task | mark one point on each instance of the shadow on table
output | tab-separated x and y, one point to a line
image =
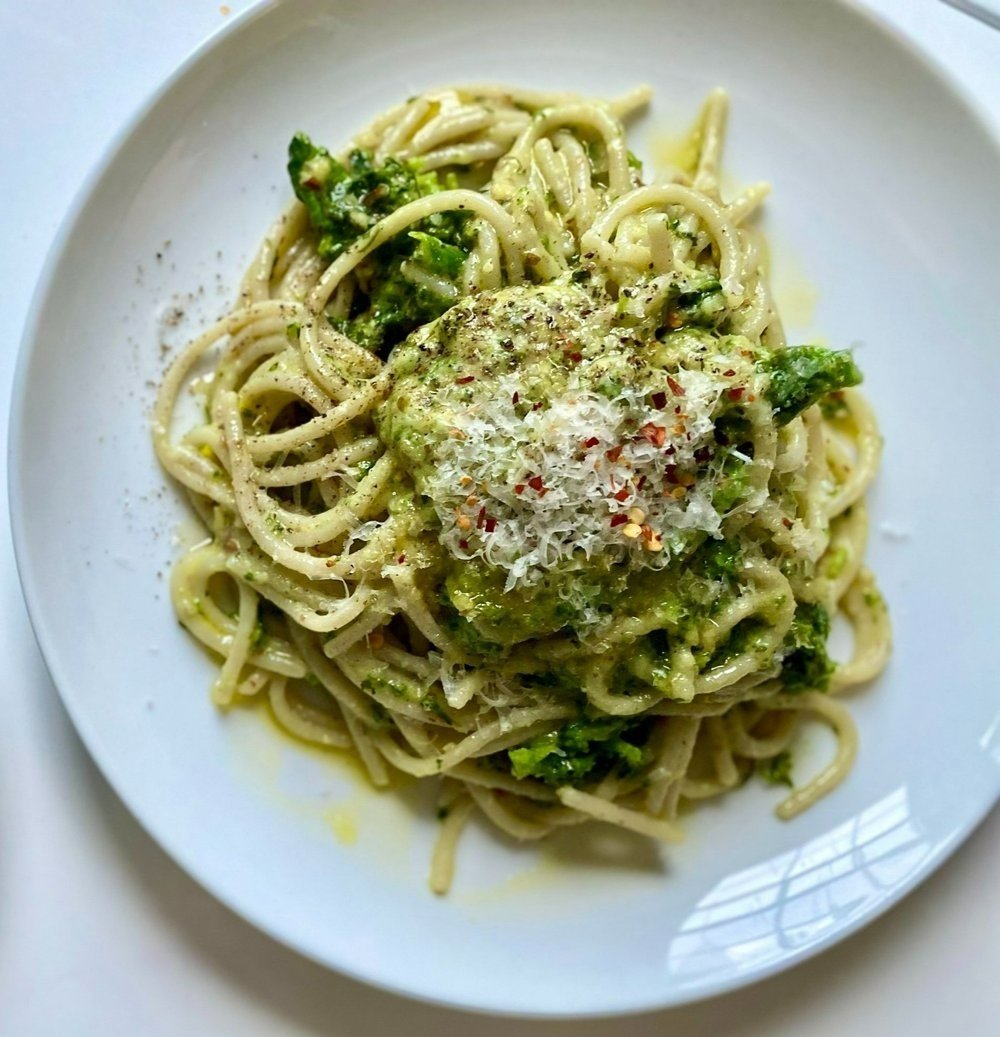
315	999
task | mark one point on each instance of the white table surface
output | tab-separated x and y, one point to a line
100	933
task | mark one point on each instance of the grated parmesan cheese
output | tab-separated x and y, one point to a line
546	484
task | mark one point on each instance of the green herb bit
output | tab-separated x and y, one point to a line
258	639
836	561
721	559
777	770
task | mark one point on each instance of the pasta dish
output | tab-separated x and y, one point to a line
511	481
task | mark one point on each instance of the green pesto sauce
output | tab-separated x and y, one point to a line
546	338
583	750
495	617
377	683
777	770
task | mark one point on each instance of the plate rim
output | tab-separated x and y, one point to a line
48	645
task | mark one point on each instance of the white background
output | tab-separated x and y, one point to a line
100	933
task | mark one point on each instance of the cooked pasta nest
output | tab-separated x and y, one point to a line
511	481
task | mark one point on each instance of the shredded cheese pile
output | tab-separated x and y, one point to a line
527	488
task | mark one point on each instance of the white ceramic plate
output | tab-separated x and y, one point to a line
886	199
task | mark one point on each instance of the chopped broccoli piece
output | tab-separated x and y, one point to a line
580	750
436	256
777	770
806	665
344	201
395	307
802	375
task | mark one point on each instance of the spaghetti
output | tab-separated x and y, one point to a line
512	481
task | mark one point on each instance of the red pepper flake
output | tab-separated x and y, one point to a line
787	523
464	545
618	520
491	524
519	488
481	518
671	474
736	393
675	386
576	357
588	443
655	434
535	482
613	454
659	400
465	379
516	398
537	406
401	559
669	449
622	494
728	374
702	454
642	482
